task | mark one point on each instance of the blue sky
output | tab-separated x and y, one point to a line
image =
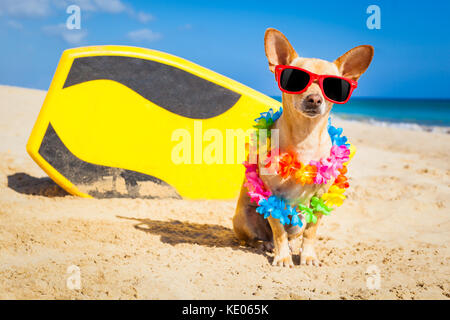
412	48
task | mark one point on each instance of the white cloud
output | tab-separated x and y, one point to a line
70	36
144	35
144	17
186	26
13	9
25	8
14	24
43	8
110	6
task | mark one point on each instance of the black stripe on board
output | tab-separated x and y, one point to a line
171	88
89	175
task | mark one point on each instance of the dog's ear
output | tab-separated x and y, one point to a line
355	62
278	49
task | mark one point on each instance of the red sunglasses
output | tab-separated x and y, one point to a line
295	80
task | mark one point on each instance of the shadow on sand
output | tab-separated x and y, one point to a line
175	232
24	183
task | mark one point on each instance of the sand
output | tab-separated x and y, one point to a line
396	222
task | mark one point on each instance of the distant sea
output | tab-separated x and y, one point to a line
423	114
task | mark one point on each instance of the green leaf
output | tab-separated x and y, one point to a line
302	207
319	206
308	218
311	217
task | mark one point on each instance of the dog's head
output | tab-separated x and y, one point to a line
312	103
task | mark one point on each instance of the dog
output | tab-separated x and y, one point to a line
302	129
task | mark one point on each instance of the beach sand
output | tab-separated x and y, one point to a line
396	220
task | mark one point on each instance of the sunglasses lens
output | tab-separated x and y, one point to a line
293	80
336	89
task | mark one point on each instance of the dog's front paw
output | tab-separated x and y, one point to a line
308	256
283	261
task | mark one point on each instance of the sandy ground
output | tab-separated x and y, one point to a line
396	221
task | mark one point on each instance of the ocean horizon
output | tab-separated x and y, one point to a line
422	112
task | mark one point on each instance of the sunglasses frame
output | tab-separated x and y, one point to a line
312	78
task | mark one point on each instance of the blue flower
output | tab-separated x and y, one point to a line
269	116
278	209
295	218
277	114
266	120
284	217
333	131
335	135
295	221
264	208
339	141
275	207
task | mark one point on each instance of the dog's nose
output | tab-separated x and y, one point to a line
313	101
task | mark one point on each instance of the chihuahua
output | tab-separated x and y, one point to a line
302	129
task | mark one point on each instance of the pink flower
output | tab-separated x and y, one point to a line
256	197
332	166
323	172
249	167
340	155
254	184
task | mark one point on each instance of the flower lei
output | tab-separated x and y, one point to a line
316	172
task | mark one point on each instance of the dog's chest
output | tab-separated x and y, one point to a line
293	192
288	189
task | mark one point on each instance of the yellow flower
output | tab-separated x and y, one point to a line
306	174
352	149
334	196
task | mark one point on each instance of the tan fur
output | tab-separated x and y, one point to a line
304	134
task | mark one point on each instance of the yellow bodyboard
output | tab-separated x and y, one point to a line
113	116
